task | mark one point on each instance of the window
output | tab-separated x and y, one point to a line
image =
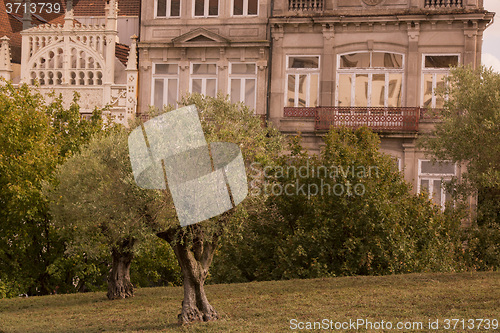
245	7
432	178
243	83
204	79
165	85
302	81
399	163
434	70
370	79
206	8
168	8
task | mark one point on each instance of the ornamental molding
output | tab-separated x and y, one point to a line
372	2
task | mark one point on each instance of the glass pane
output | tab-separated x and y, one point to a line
378	90
211	87
166	69
436	191
395	90
302	90
424	185
250	93
172	91
344	86
313	90
235	90
290	100
158	94
387	60
175	7
204	69
441	61
196	86
199	7
439	87
447	194
161	9
445	168
428	90
358	60
213	7
238	7
252	7
361	90
303	62
243	69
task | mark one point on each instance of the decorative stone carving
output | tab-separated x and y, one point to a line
372	2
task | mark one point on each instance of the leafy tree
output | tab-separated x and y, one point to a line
98	199
468	133
195	245
347	211
34	137
97	204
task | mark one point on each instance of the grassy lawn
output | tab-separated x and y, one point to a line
269	306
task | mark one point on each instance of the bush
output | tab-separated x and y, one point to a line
378	228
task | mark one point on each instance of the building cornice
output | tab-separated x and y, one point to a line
401	17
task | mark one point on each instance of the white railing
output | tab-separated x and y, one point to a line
443	3
305	5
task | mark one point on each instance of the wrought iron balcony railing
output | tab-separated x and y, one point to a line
305	5
395	119
443	3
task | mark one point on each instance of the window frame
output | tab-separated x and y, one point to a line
168	5
302	71
203	77
370	71
434	72
165	77
243	77
431	177
245	9
206	7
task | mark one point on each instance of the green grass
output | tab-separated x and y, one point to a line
268	306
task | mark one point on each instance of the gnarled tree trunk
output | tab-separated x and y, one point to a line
119	285
195	257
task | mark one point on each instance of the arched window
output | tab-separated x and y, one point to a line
370	79
47	67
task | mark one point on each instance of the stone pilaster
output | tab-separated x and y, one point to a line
327	84
132	75
278	75
5	64
412	66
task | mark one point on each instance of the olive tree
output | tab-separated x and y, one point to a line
97	196
97	204
195	245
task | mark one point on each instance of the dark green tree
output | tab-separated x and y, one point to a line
347	211
467	133
35	136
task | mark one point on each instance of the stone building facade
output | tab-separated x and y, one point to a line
60	54
311	64
206	47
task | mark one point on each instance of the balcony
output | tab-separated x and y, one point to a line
395	119
443	3
305	5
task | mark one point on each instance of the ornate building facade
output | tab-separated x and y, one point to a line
311	64
60	54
